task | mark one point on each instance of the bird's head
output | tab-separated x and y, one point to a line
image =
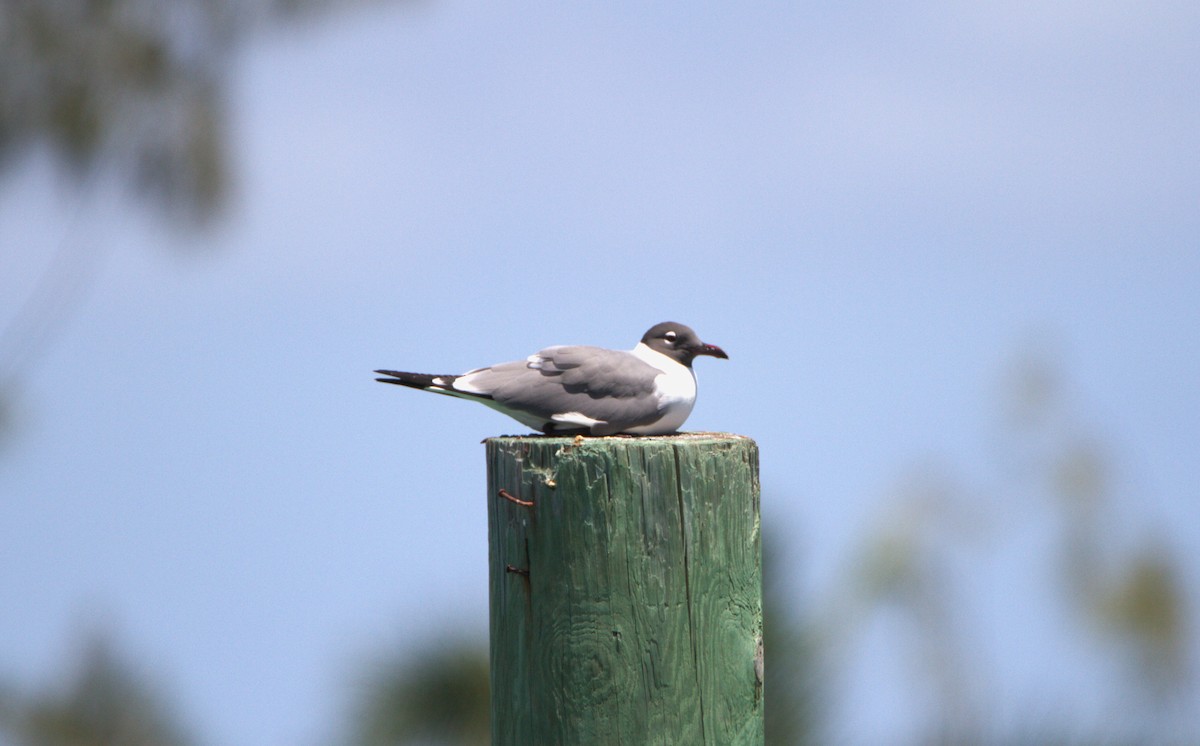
679	342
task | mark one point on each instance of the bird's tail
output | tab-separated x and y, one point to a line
422	381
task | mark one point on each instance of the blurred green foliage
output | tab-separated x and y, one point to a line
1123	588
132	90
105	703
121	84
438	697
793	695
1116	579
136	87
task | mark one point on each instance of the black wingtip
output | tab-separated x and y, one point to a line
393	376
416	380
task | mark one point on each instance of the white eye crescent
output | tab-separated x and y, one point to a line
670	336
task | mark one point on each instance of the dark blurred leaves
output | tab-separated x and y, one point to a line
124	84
133	86
131	89
440	696
793	696
106	703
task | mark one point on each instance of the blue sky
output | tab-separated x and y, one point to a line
873	208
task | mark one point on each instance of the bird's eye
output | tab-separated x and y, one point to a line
669	336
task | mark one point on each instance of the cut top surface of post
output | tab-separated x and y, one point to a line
687	438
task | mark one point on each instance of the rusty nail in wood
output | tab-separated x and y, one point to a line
513	498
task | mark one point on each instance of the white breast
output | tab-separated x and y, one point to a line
675	389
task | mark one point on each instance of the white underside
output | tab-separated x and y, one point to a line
675	389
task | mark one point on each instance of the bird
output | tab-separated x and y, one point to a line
583	390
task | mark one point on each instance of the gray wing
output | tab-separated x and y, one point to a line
607	385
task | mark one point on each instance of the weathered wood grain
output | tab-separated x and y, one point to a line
626	602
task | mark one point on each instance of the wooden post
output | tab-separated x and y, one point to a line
626	593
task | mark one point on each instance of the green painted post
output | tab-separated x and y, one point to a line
626	599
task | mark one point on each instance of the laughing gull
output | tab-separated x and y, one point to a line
570	390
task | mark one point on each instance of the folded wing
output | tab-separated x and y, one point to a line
604	385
